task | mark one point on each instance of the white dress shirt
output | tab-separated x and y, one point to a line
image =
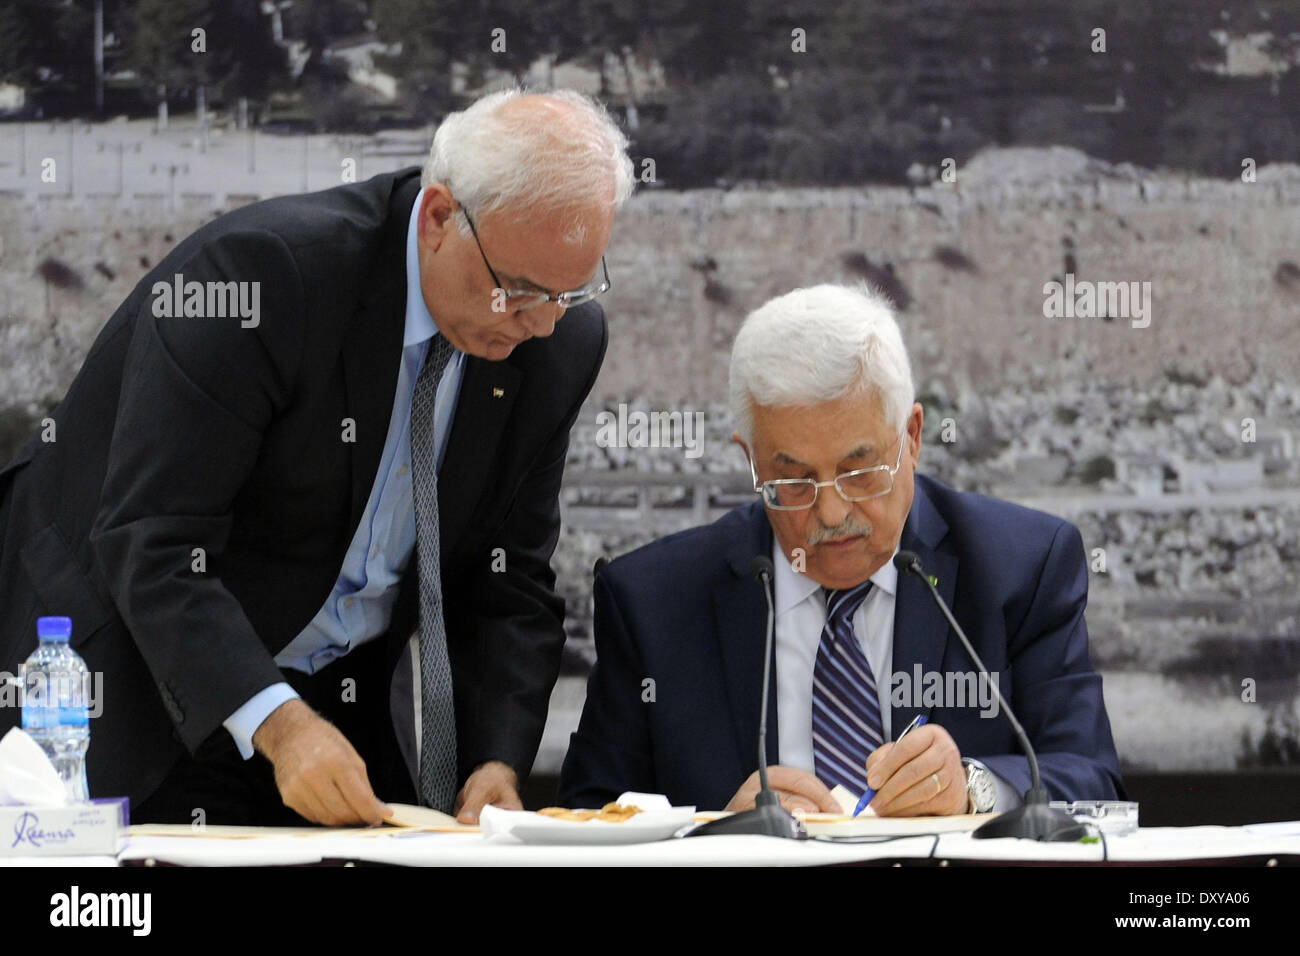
800	618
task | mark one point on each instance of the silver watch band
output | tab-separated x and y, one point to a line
981	791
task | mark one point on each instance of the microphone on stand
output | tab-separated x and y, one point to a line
1034	819
768	818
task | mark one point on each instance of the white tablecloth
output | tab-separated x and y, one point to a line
469	849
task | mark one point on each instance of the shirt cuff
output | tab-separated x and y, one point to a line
244	722
1007	798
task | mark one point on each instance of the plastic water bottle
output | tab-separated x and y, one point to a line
55	709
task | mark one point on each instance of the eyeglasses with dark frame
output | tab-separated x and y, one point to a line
520	299
861	484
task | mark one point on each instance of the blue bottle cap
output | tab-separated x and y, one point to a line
54	628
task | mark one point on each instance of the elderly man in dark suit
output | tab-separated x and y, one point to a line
301	499
821	388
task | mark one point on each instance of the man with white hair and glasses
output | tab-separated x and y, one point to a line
308	545
822	394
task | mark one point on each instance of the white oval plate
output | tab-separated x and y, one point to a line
529	827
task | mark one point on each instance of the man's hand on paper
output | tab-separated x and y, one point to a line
920	775
796	789
319	774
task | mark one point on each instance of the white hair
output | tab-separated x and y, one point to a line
492	159
815	345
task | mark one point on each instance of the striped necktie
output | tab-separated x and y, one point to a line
437	710
846	711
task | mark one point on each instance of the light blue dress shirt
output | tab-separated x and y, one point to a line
360	606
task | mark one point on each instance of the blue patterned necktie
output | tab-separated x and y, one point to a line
437	710
846	711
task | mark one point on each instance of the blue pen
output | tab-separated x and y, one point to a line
867	797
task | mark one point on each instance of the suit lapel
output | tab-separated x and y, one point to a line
372	354
372	351
487	394
740	621
920	629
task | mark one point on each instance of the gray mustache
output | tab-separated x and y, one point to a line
848	528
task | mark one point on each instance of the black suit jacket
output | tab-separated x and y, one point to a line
187	433
685	613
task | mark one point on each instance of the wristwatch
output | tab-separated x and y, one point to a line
981	791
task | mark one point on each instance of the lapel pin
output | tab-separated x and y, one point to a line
934	580
498	392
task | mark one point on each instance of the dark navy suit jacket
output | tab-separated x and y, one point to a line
685	614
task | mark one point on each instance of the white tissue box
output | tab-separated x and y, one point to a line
80	829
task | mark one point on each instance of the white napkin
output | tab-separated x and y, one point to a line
27	778
495	822
647	802
848	802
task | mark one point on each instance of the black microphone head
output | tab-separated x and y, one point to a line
908	561
761	567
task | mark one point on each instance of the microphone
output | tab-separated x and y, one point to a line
1034	819
760	569
768	818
